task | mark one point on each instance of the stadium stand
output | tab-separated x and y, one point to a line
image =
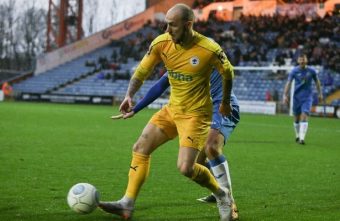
6	75
249	41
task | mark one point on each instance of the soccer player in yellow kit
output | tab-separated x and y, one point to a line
189	58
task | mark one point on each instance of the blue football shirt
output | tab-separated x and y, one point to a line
303	82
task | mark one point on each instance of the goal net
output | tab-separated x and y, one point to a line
260	89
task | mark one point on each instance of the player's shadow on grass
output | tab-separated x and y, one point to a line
184	217
179	211
67	215
8	209
259	141
169	204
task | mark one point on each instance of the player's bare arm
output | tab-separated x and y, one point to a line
318	88
225	108
226	70
134	86
285	92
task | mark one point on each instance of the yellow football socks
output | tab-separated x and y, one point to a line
139	170
203	177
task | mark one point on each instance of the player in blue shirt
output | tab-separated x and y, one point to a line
303	95
221	129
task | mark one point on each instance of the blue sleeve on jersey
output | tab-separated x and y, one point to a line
291	74
315	75
154	92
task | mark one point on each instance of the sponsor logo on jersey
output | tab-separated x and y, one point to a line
194	61
179	76
222	57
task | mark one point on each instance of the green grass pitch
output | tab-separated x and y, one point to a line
47	148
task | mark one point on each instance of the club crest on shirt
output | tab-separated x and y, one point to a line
194	61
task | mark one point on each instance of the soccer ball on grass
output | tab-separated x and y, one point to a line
83	198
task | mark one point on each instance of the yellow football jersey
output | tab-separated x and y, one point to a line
189	68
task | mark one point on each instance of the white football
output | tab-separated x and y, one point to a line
83	198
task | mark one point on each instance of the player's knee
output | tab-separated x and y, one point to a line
304	117
136	147
139	148
185	169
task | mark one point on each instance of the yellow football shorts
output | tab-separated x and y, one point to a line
192	130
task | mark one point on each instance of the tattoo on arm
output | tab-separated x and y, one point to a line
134	86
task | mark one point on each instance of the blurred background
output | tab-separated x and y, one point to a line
85	51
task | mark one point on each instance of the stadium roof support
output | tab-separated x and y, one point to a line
64	22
